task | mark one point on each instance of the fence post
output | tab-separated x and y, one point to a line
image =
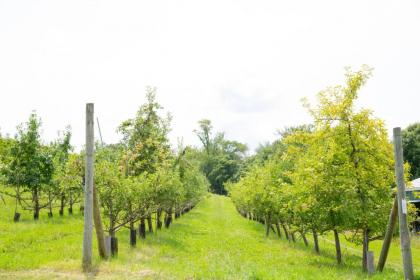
370	265
88	209
402	206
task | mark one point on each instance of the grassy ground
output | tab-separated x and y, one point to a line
210	242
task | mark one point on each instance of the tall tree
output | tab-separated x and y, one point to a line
62	149
362	158
147	149
411	148
31	166
222	160
146	137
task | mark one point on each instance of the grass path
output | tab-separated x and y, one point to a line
210	242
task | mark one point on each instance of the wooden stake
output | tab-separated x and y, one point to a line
370	265
98	225
388	235
402	206
88	209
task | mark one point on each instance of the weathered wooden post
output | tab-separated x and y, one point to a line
402	206
388	235
88	208
370	265
98	225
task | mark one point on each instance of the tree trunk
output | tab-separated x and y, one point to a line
292	235
304	238
114	244
71	205
142	229
285	231
267	226
150	223
158	217
36	204
62	204
100	237
50	213
133	235
114	241
316	244
365	249
16	217
278	230
168	219
337	246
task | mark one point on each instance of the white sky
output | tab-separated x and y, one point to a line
243	64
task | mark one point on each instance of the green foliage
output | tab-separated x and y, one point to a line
222	161
146	137
141	176
30	165
336	174
357	155
411	147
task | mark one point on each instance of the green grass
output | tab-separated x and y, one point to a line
210	242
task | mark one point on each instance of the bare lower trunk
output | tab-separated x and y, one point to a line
62	204
292	235
150	223
36	203
365	249
285	231
142	228
316	244
97	220
267	226
114	243
158	219
337	246
71	203
16	216
168	219
304	239
278	230
133	235
50	213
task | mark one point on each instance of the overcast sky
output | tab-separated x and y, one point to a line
243	64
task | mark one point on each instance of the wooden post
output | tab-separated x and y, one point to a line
108	245
388	235
370	265
88	209
98	225
402	206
